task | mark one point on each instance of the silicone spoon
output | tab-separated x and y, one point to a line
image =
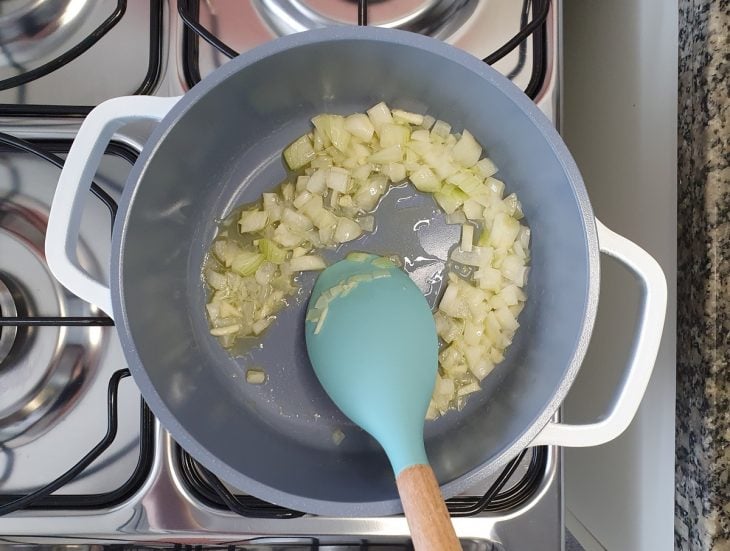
372	342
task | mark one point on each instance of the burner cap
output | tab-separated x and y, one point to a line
431	17
29	29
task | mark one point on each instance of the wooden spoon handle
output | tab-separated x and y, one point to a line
428	518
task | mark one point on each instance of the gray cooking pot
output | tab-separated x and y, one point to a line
220	144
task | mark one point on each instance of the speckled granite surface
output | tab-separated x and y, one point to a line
703	292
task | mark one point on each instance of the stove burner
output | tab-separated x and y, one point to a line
30	29
431	17
44	369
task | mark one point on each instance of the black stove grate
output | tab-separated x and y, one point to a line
207	488
189	11
147	86
43	498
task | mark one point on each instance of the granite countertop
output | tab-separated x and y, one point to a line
702	505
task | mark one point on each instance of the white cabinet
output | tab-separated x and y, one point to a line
619	113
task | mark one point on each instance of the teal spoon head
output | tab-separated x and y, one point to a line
372	342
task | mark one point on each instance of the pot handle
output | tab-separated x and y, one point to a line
641	363
73	185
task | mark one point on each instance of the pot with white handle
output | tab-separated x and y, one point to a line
220	145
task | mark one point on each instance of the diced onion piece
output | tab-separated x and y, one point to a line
432	412
456	217
428	121
449	198
396	172
247	262
441	129
497	186
394	134
361	172
504	231
367	223
421	136
473	210
441	164
260	326
216	280
337	437
369	193
489	278
287	238
467	237
451	304
379	115
339	136
265	273
514	270
271	251
301	184
425	180
296	221
255	376
468	389
302	198
347	230
407	117
287	191
322	161
468	183
392	154
227	330
467	151
297	252
299	153
307	263
317	182
338	179
486	168
359	257
252	221
359	125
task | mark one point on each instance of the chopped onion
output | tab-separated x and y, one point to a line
456	217
307	263
467	237
394	134
337	436
359	125
441	129
299	153
347	230
407	117
252	221
255	376
467	151
367	223
485	167
344	166
425	180
379	115
392	154
428	121
338	179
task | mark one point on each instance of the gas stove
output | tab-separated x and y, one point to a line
69	413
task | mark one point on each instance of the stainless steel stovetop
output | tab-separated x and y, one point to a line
54	378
